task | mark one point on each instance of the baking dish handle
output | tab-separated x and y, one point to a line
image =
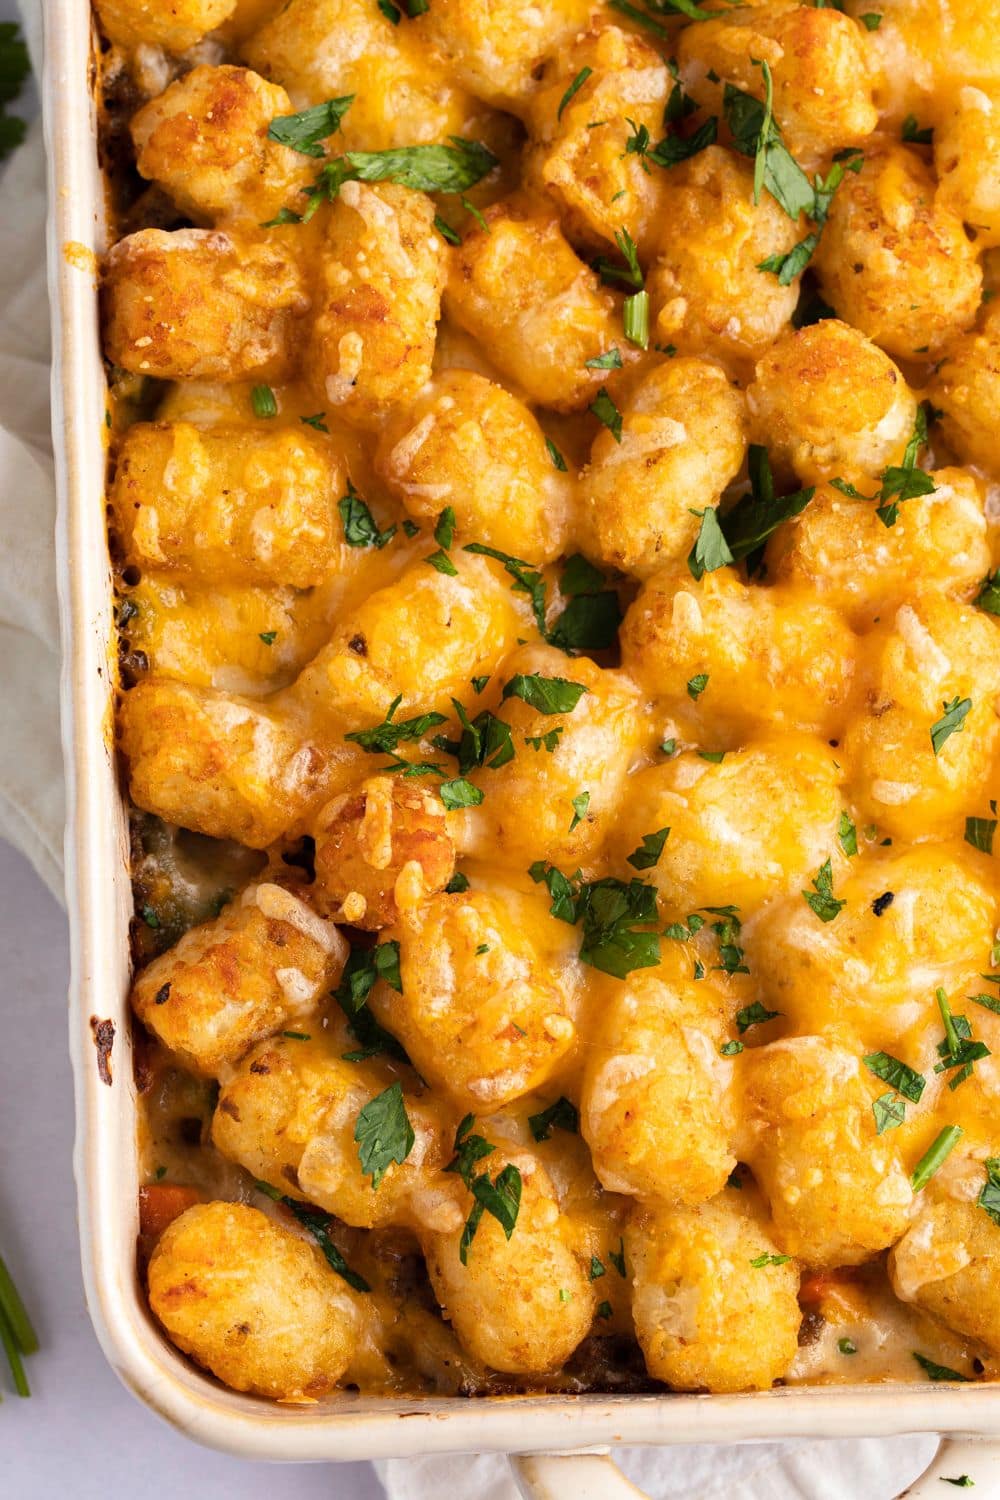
595	1476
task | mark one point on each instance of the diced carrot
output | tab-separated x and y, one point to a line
161	1203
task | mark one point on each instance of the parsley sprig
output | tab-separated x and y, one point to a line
615	918
500	1196
16	1332
900	482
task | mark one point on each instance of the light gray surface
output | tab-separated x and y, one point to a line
82	1436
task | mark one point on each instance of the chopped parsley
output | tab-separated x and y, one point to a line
765	1259
821	899
847	1346
446	232
731	1049
547	695
615	918
757	134
916	134
460	793
904	1079
561	1115
649	851
951	722
427	169
318	1225
989	1196
979	833
958	1050
268	637
617	1258
988	597
847	835
606	412
900	482
317	421
484	741
557	459
385	738
364	967
889	1111
934	1371
580	804
442	563
754	1015
360	529
304	131
597	1268
611	360
500	1197
383	1133
753	518
710	550
457	884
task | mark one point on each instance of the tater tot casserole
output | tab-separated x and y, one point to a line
554	506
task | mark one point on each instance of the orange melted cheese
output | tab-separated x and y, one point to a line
689	914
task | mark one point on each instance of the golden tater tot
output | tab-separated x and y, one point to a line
913	919
470	444
841	551
518	286
578	154
231	504
947	1261
224	765
683	438
715	1305
520	1305
967	161
924	750
494	49
422	639
368	839
289	1115
771	658
491	993
828	404
707	291
201	304
823	84
253	1302
590	757
966	390
148	23
381	274
204	140
656	1108
895	261
838	1191
758	821
265	962
323	49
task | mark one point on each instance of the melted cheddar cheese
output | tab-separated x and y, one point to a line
553	498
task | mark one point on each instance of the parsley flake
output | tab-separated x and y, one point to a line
821	899
304	131
951	722
561	1115
649	851
383	1133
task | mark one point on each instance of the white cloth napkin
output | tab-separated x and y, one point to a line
31	817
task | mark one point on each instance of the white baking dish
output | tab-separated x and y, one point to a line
99	902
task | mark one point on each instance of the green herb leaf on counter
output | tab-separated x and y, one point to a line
383	1133
304	131
561	1115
